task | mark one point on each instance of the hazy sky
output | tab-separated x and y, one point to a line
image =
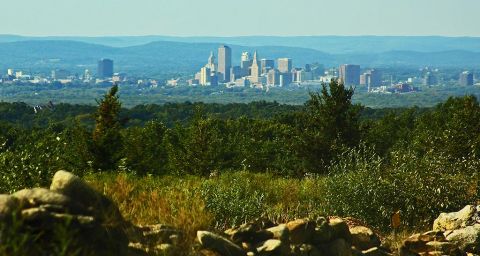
241	17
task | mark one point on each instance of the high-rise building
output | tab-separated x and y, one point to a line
285	79
105	68
211	62
349	74
205	76
224	62
254	69
284	65
430	79
466	78
273	77
375	77
266	65
236	72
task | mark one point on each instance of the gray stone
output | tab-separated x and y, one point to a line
306	250
72	186
219	244
340	230
375	251
363	238
467	239
40	196
279	232
454	220
272	247
339	247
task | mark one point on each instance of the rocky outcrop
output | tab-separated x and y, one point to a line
454	233
322	237
73	217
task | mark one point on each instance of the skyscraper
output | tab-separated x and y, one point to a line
254	69
105	68
284	65
205	76
273	77
224	62
266	65
211	62
466	78
375	77
349	74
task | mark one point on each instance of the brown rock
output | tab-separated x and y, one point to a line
301	231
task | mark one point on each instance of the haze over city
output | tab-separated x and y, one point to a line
240	18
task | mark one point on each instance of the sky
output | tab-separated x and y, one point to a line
240	17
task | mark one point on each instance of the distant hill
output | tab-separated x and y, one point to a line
172	57
329	44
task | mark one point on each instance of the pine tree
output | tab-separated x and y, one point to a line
106	135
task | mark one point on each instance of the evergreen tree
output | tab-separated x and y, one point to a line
106	135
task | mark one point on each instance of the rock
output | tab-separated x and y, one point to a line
40	196
323	232
250	233
363	238
8	206
375	251
219	244
340	230
467	239
165	250
272	247
306	250
446	248
454	220
72	186
301	231
416	243
339	247
279	232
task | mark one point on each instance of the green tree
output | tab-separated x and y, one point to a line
107	140
329	124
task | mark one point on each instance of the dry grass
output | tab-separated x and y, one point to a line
148	201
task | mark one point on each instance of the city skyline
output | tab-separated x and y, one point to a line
268	17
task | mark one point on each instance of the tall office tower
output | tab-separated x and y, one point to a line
365	79
254	69
211	62
105	68
273	77
375	77
235	73
224	62
284	65
245	63
266	65
205	76
285	79
349	74
466	78
430	79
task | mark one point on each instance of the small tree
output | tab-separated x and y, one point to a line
106	135
329	124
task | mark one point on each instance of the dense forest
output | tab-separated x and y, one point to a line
398	158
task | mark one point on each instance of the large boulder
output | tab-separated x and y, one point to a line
301	231
340	230
280	232
468	238
364	238
339	247
219	244
75	188
272	247
455	220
